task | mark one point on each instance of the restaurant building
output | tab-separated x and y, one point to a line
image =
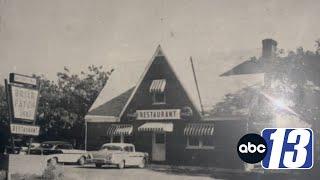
158	116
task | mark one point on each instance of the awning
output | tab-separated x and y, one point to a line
199	129
156	127
119	129
158	86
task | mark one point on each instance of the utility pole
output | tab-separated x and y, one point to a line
196	81
10	113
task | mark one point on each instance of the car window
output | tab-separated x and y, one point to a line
128	148
64	146
46	145
112	148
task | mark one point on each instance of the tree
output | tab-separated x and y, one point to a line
292	81
78	94
63	104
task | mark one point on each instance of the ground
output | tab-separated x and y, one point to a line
92	173
165	172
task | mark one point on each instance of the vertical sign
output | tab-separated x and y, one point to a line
24	102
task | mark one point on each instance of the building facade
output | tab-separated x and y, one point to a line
159	117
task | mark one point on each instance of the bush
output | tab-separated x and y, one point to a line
53	173
3	174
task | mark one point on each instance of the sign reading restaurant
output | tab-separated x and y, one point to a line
158	114
24	129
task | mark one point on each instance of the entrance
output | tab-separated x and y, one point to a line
158	146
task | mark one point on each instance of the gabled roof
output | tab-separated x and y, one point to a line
252	66
157	53
309	62
212	87
112	107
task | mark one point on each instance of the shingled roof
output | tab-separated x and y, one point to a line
126	75
112	107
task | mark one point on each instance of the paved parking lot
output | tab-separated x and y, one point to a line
164	172
90	172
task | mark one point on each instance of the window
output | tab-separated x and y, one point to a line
64	146
200	142
160	138
116	139
45	145
207	141
111	148
157	88
193	141
128	148
127	139
159	98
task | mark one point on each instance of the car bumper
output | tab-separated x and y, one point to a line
100	161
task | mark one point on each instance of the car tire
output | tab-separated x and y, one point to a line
98	165
53	161
82	161
121	165
142	164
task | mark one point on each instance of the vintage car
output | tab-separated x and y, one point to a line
119	154
24	149
61	152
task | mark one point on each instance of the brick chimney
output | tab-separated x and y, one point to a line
269	48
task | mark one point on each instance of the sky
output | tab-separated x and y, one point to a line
43	36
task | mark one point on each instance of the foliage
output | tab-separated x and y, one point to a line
3	174
291	78
53	173
63	104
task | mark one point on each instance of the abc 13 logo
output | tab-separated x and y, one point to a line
278	148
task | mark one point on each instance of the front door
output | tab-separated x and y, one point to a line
158	146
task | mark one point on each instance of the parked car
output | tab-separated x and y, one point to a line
24	149
16	150
119	154
60	151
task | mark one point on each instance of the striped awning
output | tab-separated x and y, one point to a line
158	86
156	127
199	129
119	129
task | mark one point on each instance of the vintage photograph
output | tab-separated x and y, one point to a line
159	89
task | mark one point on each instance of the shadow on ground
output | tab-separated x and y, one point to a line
216	173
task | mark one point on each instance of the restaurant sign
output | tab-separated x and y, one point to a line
24	129
158	114
24	101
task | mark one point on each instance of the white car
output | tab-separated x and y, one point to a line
61	152
119	154
24	149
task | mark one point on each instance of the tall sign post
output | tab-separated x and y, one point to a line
22	97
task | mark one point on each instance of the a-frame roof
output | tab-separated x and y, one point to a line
158	52
213	87
116	106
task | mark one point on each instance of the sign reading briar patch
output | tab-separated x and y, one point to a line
24	129
24	102
158	114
